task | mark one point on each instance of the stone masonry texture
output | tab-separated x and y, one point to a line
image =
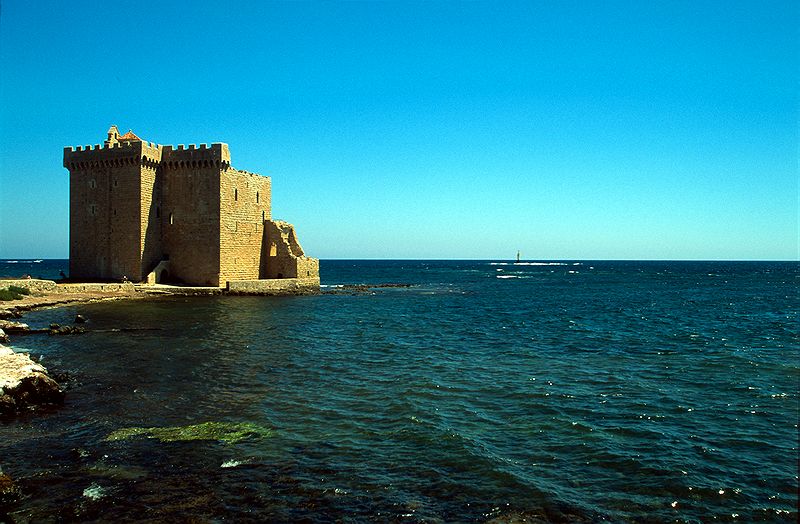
134	203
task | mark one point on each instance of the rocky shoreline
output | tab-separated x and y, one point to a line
26	385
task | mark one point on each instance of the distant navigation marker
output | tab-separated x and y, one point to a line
517	256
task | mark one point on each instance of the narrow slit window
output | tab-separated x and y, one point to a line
236	194
257	197
171	219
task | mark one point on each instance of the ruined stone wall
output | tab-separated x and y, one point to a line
190	212
283	257
104	212
245	205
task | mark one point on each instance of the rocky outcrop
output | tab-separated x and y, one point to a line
12	326
24	384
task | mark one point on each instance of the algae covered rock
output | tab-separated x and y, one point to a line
228	432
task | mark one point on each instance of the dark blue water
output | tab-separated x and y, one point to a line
569	391
35	268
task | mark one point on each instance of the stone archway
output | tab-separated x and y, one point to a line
162	277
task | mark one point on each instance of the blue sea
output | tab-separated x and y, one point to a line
545	391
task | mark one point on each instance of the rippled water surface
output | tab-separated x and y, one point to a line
570	391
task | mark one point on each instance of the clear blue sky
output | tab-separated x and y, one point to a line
567	130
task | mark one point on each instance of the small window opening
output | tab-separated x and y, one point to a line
263	215
236	194
93	183
93	210
256	197
115	212
158	212
171	219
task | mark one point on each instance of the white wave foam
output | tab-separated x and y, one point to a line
234	463
507	276
94	492
533	264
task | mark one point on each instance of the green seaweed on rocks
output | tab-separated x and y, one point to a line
228	432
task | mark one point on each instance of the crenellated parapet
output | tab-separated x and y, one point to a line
148	154
204	155
112	155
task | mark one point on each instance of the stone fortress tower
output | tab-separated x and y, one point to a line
153	213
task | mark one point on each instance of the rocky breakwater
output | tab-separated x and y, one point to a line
24	384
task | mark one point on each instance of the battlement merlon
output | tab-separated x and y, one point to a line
216	153
118	152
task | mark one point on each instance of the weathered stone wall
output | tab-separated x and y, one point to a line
283	257
150	204
191	213
245	203
126	287
284	286
104	211
135	203
34	285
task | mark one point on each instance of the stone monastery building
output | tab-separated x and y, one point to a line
153	213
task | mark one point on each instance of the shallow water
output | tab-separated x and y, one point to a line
624	391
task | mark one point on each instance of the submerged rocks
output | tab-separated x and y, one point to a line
58	329
24	384
228	432
9	492
3	336
12	326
